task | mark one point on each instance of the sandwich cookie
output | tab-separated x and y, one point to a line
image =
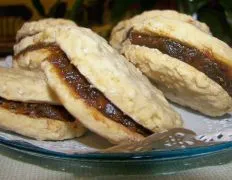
39	121
191	67
100	87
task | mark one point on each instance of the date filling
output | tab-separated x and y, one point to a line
201	60
35	110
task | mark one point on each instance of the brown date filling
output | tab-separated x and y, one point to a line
83	89
37	110
93	97
202	61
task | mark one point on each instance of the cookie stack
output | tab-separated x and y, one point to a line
81	72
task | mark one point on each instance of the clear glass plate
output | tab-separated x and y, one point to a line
142	164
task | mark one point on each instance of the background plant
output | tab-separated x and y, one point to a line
102	15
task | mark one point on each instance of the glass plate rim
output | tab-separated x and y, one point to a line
154	155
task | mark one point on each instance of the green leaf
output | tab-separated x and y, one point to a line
216	20
53	9
39	7
89	3
226	4
190	6
58	9
229	17
146	5
120	7
74	10
197	4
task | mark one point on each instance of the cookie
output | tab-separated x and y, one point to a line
31	60
191	67
25	86
32	28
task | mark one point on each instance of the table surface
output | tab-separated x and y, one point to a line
16	165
